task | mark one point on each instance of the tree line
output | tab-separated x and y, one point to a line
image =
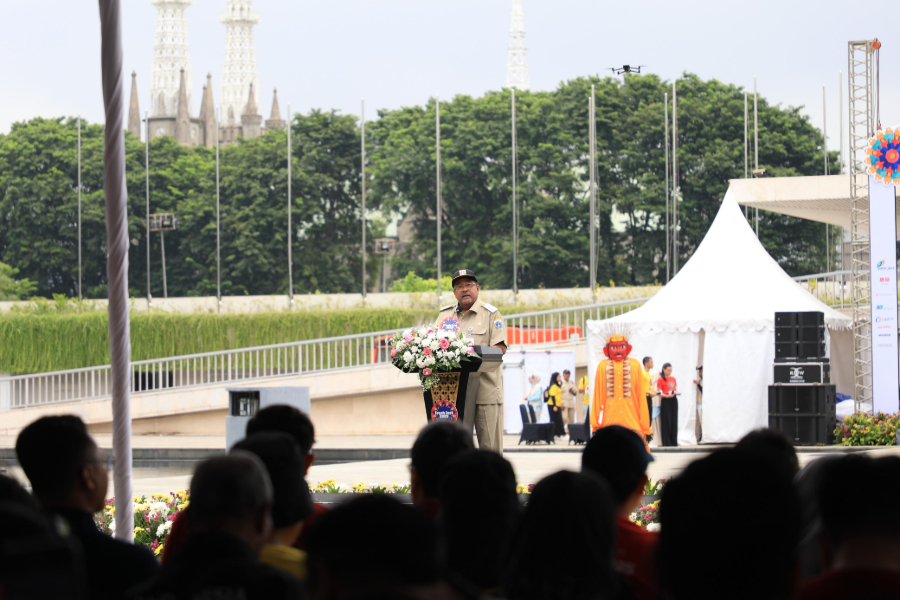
38	193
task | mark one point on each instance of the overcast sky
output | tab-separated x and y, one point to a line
330	54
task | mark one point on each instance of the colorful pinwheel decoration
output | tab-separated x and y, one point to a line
884	156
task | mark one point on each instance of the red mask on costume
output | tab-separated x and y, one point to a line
617	349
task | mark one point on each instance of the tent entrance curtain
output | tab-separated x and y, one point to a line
678	348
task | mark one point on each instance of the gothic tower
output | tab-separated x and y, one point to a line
171	54
239	75
275	121
517	59
134	111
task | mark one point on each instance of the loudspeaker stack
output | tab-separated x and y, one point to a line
801	403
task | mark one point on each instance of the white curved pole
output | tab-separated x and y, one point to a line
117	264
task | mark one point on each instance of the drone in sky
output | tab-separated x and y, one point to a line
627	69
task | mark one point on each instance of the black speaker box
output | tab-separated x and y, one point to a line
801	319
802	373
796	350
799	334
805	414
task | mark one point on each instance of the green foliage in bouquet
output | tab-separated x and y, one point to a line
862	429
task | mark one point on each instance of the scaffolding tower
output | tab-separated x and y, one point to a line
861	84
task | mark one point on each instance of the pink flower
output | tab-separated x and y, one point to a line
407	338
445	343
426	371
430	330
470	350
393	352
427	351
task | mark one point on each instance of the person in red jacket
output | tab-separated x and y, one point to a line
279	417
619	456
668	415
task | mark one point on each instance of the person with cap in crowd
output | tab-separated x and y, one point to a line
484	324
619	455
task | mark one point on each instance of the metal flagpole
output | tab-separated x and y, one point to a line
746	144
438	207
79	207
147	172
675	187
362	144
666	144
592	157
290	227
162	245
218	227
755	146
825	161
841	150
515	223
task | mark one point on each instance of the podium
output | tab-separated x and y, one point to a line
461	387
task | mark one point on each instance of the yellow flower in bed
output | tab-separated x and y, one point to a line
158	549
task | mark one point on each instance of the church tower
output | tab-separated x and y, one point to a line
275	121
239	76
134	111
171	55
517	58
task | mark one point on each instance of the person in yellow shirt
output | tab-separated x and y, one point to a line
584	391
620	397
555	404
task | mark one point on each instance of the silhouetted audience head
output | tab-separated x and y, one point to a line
563	549
851	494
773	445
730	524
290	420
478	502
437	443
63	464
11	491
291	502
232	494
807	484
619	456
345	554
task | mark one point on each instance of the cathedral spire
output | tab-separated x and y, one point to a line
251	103
134	112
208	114
171	53
239	69
183	115
517	59
275	122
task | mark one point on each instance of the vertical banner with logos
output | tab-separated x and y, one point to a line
883	259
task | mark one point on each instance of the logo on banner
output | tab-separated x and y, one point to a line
797	375
879	307
449	324
444	410
884	156
884	279
884	319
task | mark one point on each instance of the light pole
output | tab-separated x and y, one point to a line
79	208
755	147
666	144
362	150
218	230
515	222
439	208
147	197
675	187
592	159
290	226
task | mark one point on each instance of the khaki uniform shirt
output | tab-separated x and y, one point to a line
485	325
569	392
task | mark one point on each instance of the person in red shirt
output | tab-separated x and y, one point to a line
619	456
859	542
668	412
279	417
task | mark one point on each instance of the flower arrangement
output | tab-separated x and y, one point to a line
647	516
654	488
333	487
429	351
153	516
863	429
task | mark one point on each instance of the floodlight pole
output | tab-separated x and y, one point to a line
438	208
362	144
289	225
147	197
755	146
841	150
592	157
666	144
515	222
675	186
79	208
746	144
218	228
825	170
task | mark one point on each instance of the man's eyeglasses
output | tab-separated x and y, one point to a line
464	286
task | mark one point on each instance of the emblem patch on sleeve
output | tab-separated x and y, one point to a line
498	323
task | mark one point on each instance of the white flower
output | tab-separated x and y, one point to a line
421	362
429	361
653	527
163	529
112	525
435	345
407	357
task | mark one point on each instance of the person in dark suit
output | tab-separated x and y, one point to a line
68	475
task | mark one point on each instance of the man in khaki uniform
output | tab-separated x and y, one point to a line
483	323
569	393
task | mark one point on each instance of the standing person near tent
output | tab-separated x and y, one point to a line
569	393
553	396
651	376
584	396
698	429
534	398
668	389
619	397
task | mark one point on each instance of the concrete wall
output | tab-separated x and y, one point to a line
247	304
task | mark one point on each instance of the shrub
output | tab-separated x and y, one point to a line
862	429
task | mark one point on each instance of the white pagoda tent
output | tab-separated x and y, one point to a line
719	312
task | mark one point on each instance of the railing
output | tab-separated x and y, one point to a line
279	360
832	288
